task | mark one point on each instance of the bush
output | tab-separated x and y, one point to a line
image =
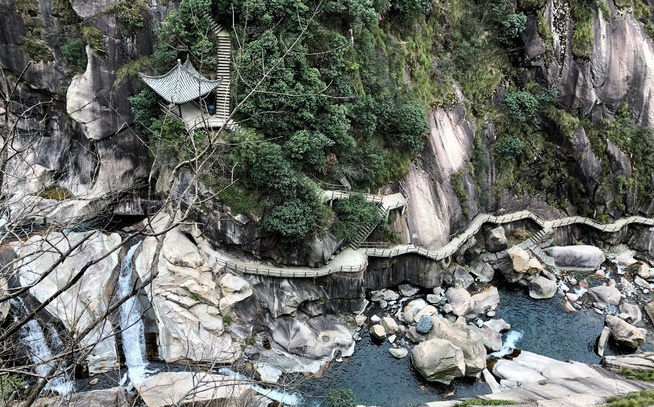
522	106
643	398
509	149
293	219
308	149
74	53
514	25
340	398
352	214
94	38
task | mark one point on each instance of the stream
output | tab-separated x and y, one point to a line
540	326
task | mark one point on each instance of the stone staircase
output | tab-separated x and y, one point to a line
366	230
224	69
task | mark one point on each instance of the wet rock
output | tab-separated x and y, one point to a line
624	333
643	271
606	294
407	290
377	331
429	310
412	308
398	353
492	339
424	325
649	310
519	259
603	340
389	324
315	338
360	319
520	374
375	319
462	336
438	360
460	300
572	296
498	325
496	240
483	271
385	294
433	298
582	257
632	312
462	279
640	282
485	301
638	361
541	287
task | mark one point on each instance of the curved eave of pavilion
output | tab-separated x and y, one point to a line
181	84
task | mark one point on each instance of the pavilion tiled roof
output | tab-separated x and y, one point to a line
181	84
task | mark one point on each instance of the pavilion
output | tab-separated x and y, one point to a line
189	96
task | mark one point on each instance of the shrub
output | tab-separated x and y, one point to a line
352	214
94	38
514	25
308	148
340	398
509	149
74	53
643	398
522	106
293	219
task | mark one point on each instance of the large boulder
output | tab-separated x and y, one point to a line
438	360
186	301
412	308
234	289
496	240
460	300
582	257
606	294
190	388
462	278
624	333
316	338
113	397
86	301
469	341
485	301
542	287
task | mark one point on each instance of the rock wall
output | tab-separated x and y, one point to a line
71	131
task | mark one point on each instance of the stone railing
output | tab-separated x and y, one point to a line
440	254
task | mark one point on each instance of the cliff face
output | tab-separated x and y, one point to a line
71	130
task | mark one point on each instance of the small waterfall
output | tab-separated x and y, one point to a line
512	338
131	323
33	336
286	398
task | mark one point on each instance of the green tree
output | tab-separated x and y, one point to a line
352	214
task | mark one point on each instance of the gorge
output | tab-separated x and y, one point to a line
380	169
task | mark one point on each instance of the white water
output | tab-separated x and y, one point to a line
286	398
131	323
512	338
32	335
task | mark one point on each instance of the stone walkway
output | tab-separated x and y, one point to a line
356	260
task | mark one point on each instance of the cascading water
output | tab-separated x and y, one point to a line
287	398
33	336
510	341
131	322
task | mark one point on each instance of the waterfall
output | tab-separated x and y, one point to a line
131	323
33	336
512	338
286	398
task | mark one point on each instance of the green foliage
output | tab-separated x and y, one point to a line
242	200
145	107
514	25
522	106
352	214
643	398
405	124
10	386
582	38
566	123
171	140
74	53
509	148
292	219
94	38
340	397
130	13
308	149
131	69
638	374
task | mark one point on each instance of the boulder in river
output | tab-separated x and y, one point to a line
485	301
424	325
460	300
377	331
606	294
412	308
496	240
398	353
582	257
541	288
470	342
438	360
624	333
